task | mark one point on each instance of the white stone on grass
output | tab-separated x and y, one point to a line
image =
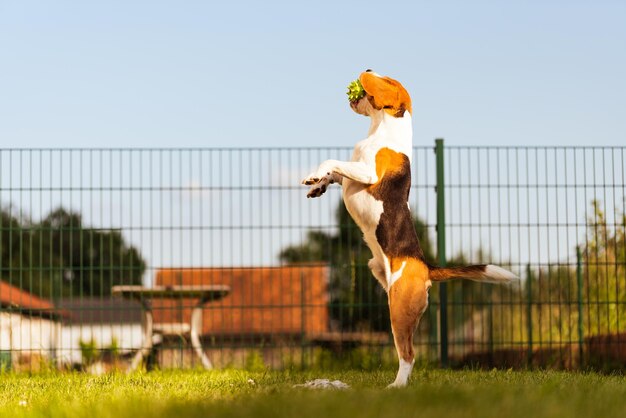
323	384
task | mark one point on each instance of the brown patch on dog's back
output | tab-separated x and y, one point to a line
392	162
387	94
395	232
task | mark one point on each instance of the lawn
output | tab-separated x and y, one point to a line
232	393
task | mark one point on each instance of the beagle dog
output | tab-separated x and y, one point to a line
376	185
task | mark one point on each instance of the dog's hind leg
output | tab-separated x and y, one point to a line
378	270
408	299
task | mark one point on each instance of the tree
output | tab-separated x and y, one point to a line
604	272
59	256
554	299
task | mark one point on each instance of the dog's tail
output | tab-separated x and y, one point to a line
486	273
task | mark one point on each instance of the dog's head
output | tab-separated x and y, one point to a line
382	94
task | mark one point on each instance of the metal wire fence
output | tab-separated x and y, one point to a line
113	258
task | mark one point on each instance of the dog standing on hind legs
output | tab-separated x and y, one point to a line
376	185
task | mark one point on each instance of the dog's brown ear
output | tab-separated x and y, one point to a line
387	93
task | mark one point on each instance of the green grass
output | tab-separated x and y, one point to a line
431	393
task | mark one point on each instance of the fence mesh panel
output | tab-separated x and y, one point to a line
91	240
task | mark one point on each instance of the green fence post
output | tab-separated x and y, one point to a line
579	279
441	252
529	313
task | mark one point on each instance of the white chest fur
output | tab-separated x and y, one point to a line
385	131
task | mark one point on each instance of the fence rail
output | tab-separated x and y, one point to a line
76	222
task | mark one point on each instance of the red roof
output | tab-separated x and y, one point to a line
12	297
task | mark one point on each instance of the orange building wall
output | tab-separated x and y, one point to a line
264	300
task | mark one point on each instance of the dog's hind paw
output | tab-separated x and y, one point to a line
396	385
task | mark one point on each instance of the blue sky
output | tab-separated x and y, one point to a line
241	74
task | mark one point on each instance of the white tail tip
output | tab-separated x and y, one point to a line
495	274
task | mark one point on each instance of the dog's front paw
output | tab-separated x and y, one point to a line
323	171
317	190
317	177
312	178
319	186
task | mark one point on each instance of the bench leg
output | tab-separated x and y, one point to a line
146	344
196	326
